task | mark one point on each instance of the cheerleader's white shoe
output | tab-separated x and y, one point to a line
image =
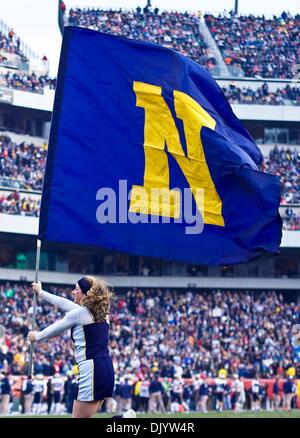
129	414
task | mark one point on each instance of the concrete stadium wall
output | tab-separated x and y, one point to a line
10	223
43	102
271	113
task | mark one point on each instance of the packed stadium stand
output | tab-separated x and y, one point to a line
26	82
206	333
176	30
22	164
289	95
171	333
21	205
20	67
201	331
10	43
261	46
22	167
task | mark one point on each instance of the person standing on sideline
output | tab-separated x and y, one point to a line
144	396
220	383
235	393
27	389
126	392
203	395
242	395
49	395
156	400
276	395
70	391
177	390
289	390
5	392
88	317
39	387
136	395
67	392
116	394
255	395
57	385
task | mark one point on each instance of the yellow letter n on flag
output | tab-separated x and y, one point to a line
160	133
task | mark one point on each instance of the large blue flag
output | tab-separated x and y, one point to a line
146	156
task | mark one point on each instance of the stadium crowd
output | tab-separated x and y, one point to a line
11	43
176	338
260	46
14	203
180	31
291	220
28	82
176	30
23	164
244	332
262	96
285	163
22	167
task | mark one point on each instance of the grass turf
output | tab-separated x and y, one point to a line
226	414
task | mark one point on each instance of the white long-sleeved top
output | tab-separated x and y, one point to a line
76	315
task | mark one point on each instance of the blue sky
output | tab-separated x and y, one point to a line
35	21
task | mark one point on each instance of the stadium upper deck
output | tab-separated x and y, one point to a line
176	30
260	46
255	45
15	54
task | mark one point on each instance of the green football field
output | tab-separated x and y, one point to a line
263	414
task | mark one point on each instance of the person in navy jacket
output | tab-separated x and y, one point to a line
5	392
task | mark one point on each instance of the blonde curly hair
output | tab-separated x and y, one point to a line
98	299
